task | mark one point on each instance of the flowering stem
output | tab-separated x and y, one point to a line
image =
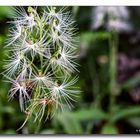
43	85
113	44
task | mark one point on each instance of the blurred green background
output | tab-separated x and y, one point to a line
109	78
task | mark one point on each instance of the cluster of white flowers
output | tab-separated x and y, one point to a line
113	17
42	60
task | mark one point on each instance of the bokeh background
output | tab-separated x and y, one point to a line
109	78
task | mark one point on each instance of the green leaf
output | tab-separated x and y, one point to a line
109	129
135	121
9	132
90	37
71	121
132	82
70	124
5	11
124	113
89	114
7	109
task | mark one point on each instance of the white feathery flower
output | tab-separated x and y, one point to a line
64	37
33	48
19	88
65	91
26	46
119	25
51	14
15	63
117	18
26	71
29	21
18	13
38	79
21	17
66	60
15	33
63	29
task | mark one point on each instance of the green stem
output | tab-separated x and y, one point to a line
113	44
38	128
41	57
75	11
40	25
95	82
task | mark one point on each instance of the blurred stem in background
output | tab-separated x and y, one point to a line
113	46
95	82
75	11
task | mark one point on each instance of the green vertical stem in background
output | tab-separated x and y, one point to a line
95	82
75	11
113	44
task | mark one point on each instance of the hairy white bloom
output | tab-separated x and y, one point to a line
15	63
42	80
66	60
15	33
19	89
119	25
33	48
21	17
42	54
65	91
117	17
53	15
62	27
